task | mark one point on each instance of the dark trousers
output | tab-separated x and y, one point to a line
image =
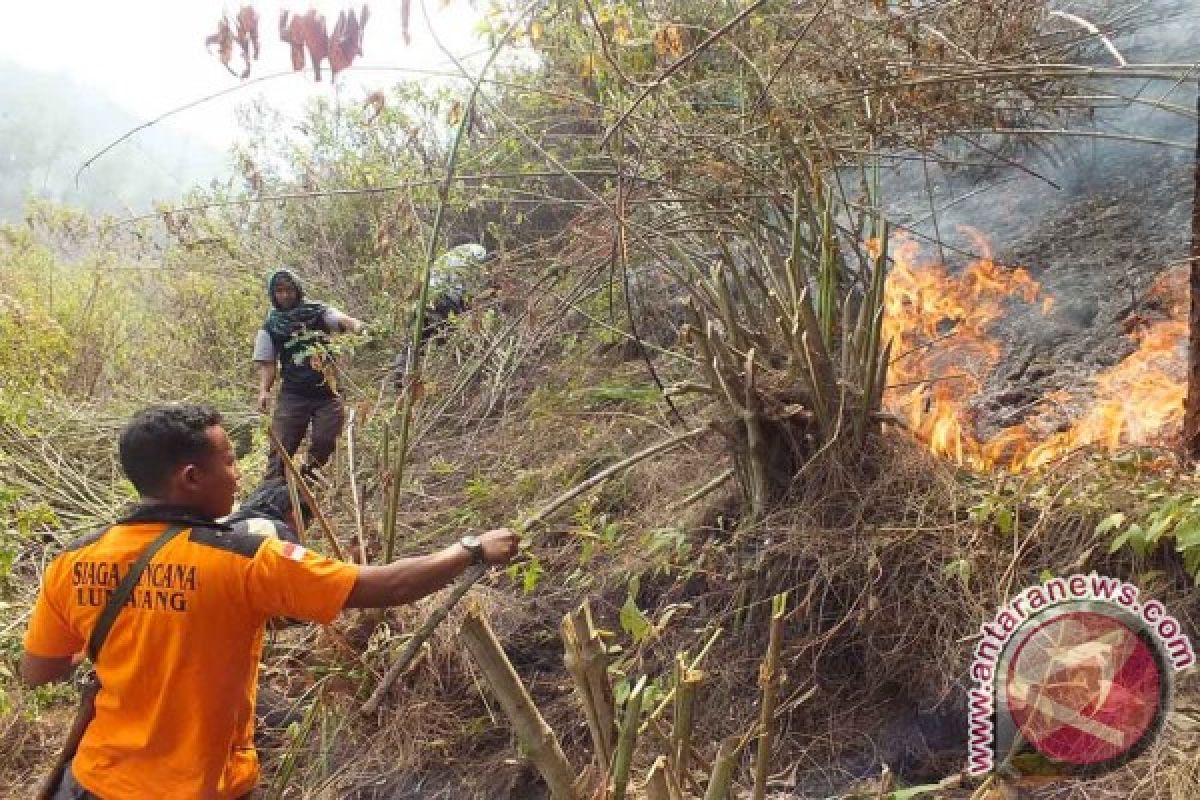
293	415
69	788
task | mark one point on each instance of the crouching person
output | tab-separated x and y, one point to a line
455	280
174	712
269	511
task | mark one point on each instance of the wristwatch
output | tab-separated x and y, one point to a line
474	547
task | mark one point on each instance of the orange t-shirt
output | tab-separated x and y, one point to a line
178	672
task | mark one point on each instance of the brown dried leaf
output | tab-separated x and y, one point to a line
223	39
376	101
316	39
346	41
292	31
247	32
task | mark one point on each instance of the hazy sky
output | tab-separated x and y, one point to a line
149	55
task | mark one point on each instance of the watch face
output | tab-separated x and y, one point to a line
471	542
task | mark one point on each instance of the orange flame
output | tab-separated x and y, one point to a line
938	325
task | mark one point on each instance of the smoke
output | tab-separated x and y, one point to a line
1035	178
1097	220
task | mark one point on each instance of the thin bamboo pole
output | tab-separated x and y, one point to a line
443	192
627	740
1191	402
289	479
531	729
306	493
586	660
476	572
657	787
355	497
687	682
768	679
695	665
722	771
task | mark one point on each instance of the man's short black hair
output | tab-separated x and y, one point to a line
270	500
160	438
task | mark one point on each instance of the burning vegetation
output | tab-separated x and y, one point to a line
940	324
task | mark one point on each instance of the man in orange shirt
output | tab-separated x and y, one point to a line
175	711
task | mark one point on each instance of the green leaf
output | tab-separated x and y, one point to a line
531	575
1161	523
633	621
1110	523
1187	533
1191	562
1138	540
959	568
621	692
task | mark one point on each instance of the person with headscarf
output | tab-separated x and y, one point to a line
294	340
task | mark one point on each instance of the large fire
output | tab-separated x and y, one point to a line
942	356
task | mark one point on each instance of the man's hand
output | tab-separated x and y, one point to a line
499	546
410	579
264	402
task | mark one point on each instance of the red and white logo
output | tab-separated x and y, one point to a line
293	551
1083	688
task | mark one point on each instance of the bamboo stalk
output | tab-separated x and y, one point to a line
627	740
587	661
686	683
289	479
722	771
477	571
695	664
536	737
1191	401
443	193
705	490
413	645
355	498
657	787
307	495
768	680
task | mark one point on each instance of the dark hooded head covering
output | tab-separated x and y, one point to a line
282	324
285	322
288	276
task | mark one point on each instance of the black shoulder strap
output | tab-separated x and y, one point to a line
121	596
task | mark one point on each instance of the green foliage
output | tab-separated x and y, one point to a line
20	517
995	510
1167	517
665	549
32	360
644	396
633	621
111	327
479	490
960	570
528	573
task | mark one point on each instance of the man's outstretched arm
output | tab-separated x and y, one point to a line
409	579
